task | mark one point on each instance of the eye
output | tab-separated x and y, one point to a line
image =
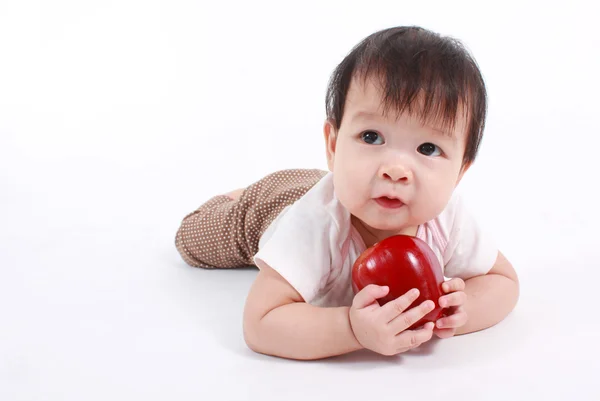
429	149
370	137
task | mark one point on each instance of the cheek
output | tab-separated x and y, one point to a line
347	186
343	191
437	192
350	180
356	163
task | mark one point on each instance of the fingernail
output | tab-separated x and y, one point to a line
439	323
414	292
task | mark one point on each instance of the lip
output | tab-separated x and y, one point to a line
385	202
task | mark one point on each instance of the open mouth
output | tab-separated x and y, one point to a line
389	203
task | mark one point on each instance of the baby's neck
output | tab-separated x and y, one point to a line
371	236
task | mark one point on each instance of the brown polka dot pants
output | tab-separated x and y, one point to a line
224	233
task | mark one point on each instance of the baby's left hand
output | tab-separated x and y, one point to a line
454	301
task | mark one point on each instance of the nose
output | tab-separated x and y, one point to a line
396	172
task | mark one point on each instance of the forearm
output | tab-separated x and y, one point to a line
490	298
302	331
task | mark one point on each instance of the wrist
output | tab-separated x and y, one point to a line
356	345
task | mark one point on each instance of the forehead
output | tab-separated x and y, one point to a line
365	101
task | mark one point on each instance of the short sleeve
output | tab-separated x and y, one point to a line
471	250
297	245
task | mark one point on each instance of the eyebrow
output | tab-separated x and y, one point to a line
367	114
441	132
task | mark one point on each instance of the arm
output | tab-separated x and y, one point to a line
278	322
490	297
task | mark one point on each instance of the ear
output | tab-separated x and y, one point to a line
330	142
463	170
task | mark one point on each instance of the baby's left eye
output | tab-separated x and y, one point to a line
429	149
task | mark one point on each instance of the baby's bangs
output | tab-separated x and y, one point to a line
429	87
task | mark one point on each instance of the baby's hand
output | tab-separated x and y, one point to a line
383	328
454	301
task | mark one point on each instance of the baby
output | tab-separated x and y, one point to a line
406	112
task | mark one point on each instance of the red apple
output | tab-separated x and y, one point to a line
402	262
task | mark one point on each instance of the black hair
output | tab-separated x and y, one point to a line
412	63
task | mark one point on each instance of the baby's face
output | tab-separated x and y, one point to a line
372	156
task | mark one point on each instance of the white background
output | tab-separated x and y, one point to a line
117	118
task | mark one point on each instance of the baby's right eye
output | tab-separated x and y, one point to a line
369	137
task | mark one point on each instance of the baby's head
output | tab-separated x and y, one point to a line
405	116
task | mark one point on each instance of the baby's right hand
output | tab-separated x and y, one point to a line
383	328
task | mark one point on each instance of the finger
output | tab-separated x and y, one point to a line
444	333
411	316
413	338
395	307
453	299
418	340
430	326
456	320
451	310
455	284
369	295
